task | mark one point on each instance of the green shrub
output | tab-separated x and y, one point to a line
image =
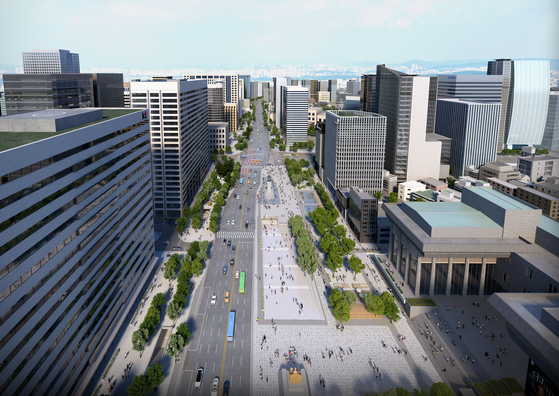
421	302
498	387
513	385
484	389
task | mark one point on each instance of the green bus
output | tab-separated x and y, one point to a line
242	283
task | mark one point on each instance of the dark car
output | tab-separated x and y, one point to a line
198	381
224	241
248	209
240	207
226	388
225	269
232	261
229	243
246	224
233	249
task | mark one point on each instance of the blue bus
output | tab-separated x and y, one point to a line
231	326
241	180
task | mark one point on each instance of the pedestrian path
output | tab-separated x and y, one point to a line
233	234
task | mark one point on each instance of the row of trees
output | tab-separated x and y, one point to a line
341	303
311	131
296	173
230	177
309	144
333	236
179	340
383	305
148	327
437	389
142	384
307	254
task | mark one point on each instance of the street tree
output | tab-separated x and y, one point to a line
158	300
182	224
155	376
175	345
347	245
139	386
340	307
169	273
340	231
139	340
350	297
173	311
392	197
440	389
196	222
184	331
356	264
310	145
378	195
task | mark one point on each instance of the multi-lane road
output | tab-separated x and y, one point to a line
208	348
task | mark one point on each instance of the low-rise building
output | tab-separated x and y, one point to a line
389	182
549	187
433	184
467	181
547	203
498	170
446	195
323	96
219	135
316	114
501	185
488	242
405	189
539	167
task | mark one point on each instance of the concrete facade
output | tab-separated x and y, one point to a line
498	170
74	248
538	167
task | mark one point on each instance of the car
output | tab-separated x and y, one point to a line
247	191
177	248
240	207
226	298
235	196
237	274
246	224
224	241
215	387
232	261
224	269
248	209
233	249
238	197
233	222
214	299
199	376
228	222
254	182
229	243
166	243
226	388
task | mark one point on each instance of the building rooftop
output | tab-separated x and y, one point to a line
433	181
539	193
361	193
412	184
429	194
550	225
538	158
502	182
498	165
10	140
451	214
505	201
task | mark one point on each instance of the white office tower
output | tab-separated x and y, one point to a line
470	87
354	150
294	113
50	61
76	242
232	101
216	103
524	102
179	139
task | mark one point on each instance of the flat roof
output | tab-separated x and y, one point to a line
501	182
427	194
412	183
432	181
10	140
538	158
451	214
505	201
539	193
550	225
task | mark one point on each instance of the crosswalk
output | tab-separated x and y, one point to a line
233	234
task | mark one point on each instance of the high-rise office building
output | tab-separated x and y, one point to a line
126	94
232	101
354	144
409	103
266	91
333	89
215	102
246	85
254	87
50	61
294	114
353	87
278	83
484	88
76	242
368	92
524	101
2	104
179	139
32	92
550	140
473	128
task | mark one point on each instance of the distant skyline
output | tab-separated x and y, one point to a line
244	34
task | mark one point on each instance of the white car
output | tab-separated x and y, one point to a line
198	380
166	243
237	274
214	299
215	386
232	222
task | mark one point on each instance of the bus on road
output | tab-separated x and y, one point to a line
231	326
242	283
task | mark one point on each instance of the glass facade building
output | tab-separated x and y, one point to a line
50	61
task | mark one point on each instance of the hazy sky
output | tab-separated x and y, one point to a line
183	34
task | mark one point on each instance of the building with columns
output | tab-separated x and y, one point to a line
489	242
